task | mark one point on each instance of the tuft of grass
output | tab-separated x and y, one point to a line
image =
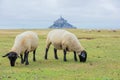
103	62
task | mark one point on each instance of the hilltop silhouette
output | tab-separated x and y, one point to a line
61	23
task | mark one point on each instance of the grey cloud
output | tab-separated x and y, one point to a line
46	11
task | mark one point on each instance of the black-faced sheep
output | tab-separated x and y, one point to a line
24	43
66	41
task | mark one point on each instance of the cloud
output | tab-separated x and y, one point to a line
44	12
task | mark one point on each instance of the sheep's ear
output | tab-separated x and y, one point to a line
5	55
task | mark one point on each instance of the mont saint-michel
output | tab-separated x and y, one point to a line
61	23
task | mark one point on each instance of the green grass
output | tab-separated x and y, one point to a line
103	62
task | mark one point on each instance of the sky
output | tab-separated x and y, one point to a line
40	14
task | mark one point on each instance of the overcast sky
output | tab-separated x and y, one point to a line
87	14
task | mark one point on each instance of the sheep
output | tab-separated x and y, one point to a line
66	41
24	43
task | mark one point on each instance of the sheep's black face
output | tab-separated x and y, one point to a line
12	57
83	56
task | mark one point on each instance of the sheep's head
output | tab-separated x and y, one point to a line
83	56
12	57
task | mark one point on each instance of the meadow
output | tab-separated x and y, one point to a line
103	62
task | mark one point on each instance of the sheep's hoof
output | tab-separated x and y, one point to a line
45	58
82	61
22	62
56	58
76	60
65	60
34	60
26	63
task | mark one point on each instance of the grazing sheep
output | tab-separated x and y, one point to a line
24	43
66	41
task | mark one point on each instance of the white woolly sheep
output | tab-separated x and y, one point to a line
24	43
66	41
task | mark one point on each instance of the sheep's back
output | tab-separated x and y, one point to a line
62	39
27	40
70	42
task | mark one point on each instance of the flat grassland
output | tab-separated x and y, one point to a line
103	62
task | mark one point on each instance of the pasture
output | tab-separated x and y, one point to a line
103	62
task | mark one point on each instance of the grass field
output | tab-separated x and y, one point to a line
103	62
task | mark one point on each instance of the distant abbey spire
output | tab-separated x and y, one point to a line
61	23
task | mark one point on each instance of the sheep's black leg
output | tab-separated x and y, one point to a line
75	57
55	53
47	48
34	59
22	60
26	58
65	55
46	51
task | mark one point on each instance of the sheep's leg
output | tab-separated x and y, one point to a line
46	51
55	53
34	59
65	55
22	60
75	57
26	57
